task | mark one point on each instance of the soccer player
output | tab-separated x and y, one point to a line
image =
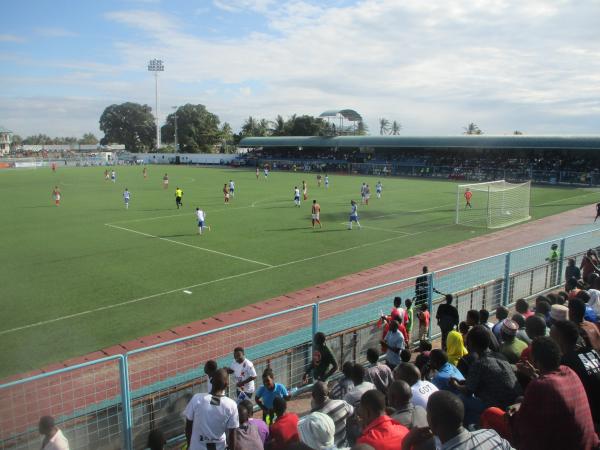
367	194
56	195
201	216
145	173
106	175
113	176
257	172
53	167
304	191
468	195
362	193
178	195
166	181
316	212
126	197
226	193
353	215
297	196
319	180
326	181
266	171
597	211
378	189
232	188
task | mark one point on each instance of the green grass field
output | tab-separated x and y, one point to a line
73	284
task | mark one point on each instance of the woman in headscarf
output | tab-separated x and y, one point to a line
317	431
455	347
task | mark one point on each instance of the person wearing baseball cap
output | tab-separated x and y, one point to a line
511	346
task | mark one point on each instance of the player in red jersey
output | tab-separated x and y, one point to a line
316	213
226	193
145	173
257	172
468	195
53	167
56	195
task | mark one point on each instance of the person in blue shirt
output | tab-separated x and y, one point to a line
267	393
438	361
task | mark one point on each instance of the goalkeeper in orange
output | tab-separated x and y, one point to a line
468	195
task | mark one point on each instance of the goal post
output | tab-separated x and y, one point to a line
494	204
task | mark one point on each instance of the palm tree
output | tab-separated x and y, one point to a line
472	129
384	126
249	126
278	126
396	127
517	132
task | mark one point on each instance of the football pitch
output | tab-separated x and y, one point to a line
90	274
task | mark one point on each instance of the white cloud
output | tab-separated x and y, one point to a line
434	66
54	32
11	38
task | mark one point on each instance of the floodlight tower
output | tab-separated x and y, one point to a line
156	65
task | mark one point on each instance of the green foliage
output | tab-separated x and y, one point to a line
88	139
384	126
130	124
472	129
395	128
197	129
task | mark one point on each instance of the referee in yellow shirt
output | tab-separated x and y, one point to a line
178	195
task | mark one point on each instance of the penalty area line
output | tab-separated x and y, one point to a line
189	245
205	283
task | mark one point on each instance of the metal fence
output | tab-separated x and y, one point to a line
114	402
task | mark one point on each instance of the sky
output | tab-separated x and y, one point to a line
434	65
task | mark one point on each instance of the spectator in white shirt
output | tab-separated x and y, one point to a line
360	386
54	439
421	389
244	374
211	419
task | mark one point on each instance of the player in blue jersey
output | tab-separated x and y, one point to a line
353	215
126	198
378	189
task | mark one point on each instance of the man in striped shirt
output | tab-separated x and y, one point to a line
337	410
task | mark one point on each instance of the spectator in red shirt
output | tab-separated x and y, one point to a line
285	429
378	429
555	413
522	308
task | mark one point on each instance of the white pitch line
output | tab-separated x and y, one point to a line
189	245
414	211
204	283
381	229
567	198
145	219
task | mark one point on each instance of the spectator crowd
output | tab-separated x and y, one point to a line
529	380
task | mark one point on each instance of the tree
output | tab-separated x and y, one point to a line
38	139
384	126
253	127
472	129
395	128
88	139
130	124
16	141
278	126
517	132
307	126
361	128
197	129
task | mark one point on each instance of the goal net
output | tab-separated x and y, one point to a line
495	204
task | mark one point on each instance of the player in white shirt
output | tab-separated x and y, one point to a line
266	172
326	181
244	374
211	419
378	188
126	198
201	217
232	188
113	176
54	439
353	215
297	196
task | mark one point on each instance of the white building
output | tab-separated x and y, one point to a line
5	141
